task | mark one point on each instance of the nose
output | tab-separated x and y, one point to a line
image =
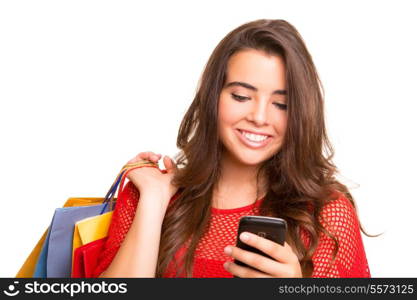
258	113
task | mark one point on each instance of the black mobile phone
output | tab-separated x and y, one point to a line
271	228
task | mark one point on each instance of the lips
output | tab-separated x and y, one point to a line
254	132
252	144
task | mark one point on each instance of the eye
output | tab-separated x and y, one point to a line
280	105
239	98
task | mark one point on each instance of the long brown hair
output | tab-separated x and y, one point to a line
299	176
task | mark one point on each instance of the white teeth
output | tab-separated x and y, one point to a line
254	137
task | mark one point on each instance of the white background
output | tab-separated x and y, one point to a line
86	85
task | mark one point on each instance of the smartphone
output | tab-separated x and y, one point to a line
274	229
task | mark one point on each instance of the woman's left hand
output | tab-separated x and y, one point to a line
285	263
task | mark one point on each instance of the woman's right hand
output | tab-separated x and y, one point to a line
152	180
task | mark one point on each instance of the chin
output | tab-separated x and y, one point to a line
251	160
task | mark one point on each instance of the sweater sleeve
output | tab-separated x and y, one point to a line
121	221
122	218
339	218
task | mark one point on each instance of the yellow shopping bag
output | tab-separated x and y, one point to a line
91	229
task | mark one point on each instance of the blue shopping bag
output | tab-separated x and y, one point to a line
59	244
40	268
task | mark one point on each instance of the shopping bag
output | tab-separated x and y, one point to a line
90	229
86	258
31	262
40	269
59	253
28	268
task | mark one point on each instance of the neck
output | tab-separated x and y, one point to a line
238	185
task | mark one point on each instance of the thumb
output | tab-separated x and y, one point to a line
169	164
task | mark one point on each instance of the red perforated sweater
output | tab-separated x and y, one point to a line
338	217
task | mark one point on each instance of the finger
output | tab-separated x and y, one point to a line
155	157
243	272
149	155
169	164
140	156
257	261
283	254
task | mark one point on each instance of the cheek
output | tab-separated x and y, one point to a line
281	123
228	113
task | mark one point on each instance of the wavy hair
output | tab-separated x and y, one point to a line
300	175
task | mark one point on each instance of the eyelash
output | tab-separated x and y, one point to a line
242	98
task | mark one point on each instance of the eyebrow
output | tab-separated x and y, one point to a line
251	87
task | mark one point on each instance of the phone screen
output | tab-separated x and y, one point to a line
270	228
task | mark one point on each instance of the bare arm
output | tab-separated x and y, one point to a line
138	253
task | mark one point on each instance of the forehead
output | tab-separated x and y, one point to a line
257	68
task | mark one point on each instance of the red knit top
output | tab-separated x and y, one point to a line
338	217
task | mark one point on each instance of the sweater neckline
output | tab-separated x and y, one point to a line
215	210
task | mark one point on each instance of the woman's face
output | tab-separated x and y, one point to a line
252	116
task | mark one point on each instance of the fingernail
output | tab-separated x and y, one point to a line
226	264
228	250
244	237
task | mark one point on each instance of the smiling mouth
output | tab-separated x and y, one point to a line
251	140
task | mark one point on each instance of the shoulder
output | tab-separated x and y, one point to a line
339	215
339	218
339	206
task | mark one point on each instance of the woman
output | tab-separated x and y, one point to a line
253	142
